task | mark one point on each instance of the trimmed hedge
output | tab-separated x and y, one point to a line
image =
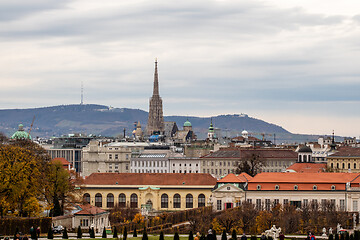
8	225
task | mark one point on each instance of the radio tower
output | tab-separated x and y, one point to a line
82	94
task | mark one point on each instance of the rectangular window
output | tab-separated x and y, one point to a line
306	202
127	167
116	166
342	205
258	204
267	204
110	166
127	156
355	205
286	201
219	205
116	156
249	201
110	156
276	202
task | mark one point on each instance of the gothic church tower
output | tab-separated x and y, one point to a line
156	119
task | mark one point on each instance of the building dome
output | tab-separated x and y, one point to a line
305	149
187	123
244	132
20	133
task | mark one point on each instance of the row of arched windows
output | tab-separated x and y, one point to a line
189	200
343	165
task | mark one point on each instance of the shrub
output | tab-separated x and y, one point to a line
176	236
50	234
223	236
233	235
253	237
191	237
65	234
115	235
135	233
161	235
104	233
331	237
336	236
79	232
92	233
125	233
145	236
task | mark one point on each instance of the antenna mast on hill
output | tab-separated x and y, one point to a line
82	93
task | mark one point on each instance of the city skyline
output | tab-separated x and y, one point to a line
291	64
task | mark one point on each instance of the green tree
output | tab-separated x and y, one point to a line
233	235
125	233
144	236
135	232
191	237
104	233
79	232
92	233
50	234
65	234
115	235
223	236
176	236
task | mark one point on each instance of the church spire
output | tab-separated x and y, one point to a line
156	80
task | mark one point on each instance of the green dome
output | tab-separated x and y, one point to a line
187	123
21	134
211	128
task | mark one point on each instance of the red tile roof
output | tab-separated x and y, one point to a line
232	178
146	179
88	209
304	181
308	167
63	161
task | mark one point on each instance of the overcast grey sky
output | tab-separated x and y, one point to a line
294	63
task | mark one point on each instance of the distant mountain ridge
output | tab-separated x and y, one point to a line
107	121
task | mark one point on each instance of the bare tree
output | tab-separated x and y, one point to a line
251	164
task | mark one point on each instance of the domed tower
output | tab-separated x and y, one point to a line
305	154
20	133
245	134
187	126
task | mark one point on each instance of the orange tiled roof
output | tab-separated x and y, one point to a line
63	161
88	209
146	179
232	178
308	167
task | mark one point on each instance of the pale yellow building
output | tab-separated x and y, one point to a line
154	191
346	159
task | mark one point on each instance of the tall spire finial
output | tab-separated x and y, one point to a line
156	80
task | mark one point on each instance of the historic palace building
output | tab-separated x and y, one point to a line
155	122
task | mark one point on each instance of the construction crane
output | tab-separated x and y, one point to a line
32	123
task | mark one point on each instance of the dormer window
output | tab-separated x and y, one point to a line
258	187
277	187
296	187
314	187
333	187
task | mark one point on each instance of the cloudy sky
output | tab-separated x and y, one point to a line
294	63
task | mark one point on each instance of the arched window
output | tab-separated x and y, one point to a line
86	198
337	165
343	165
299	158
305	158
164	201
177	201
110	200
201	200
349	166
354	165
122	200
189	201
133	201
332	165
98	200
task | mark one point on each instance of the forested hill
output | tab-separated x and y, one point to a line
106	121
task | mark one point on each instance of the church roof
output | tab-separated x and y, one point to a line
20	133
187	123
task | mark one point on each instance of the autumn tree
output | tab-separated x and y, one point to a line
250	164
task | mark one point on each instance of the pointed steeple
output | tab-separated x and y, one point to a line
156	80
